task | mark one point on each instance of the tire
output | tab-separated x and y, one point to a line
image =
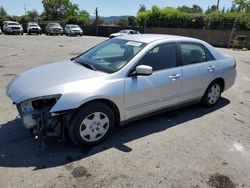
94	121
212	94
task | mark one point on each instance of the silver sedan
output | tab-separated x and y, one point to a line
118	81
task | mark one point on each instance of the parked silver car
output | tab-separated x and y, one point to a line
54	29
72	30
124	32
117	81
33	27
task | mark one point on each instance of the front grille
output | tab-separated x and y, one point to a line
15	28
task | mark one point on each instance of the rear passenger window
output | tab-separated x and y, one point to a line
192	53
161	57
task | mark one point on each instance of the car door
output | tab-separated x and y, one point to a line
145	94
198	70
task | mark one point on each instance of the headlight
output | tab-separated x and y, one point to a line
45	102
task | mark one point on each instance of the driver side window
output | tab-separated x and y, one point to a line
161	57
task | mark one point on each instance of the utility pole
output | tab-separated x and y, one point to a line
24	5
96	20
218	4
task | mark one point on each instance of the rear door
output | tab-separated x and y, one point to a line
144	94
198	70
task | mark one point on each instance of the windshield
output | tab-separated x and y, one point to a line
74	26
111	55
55	25
34	25
13	24
123	31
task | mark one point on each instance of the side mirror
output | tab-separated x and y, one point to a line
143	70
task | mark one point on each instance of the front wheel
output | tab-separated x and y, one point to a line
212	94
91	124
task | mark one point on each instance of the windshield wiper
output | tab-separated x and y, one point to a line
87	65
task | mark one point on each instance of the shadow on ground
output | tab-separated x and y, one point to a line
19	149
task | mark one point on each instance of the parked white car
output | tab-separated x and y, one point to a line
119	80
73	30
1	32
33	27
10	27
124	32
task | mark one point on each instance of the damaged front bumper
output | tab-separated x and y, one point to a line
36	116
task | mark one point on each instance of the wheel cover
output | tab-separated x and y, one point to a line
214	94
94	127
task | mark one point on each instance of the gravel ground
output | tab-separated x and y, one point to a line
191	147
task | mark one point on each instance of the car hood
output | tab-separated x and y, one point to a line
15	26
55	27
48	80
76	29
34	27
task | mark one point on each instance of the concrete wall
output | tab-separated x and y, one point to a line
217	38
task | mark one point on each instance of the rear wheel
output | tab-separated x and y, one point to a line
91	124
212	94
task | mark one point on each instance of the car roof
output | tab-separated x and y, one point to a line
127	30
53	23
32	23
10	22
148	38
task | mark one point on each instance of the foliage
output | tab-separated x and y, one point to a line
2	11
169	17
59	9
131	21
32	15
142	8
179	18
219	20
81	18
123	22
212	9
195	9
244	5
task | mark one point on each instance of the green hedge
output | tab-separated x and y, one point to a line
173	18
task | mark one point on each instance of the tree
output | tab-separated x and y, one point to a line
243	5
195	9
212	9
123	22
131	21
59	9
142	8
82	18
32	14
2	11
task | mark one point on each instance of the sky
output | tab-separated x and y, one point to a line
109	7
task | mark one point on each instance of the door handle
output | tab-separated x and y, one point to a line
211	68
174	76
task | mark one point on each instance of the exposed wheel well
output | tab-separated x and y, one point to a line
109	103
221	81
